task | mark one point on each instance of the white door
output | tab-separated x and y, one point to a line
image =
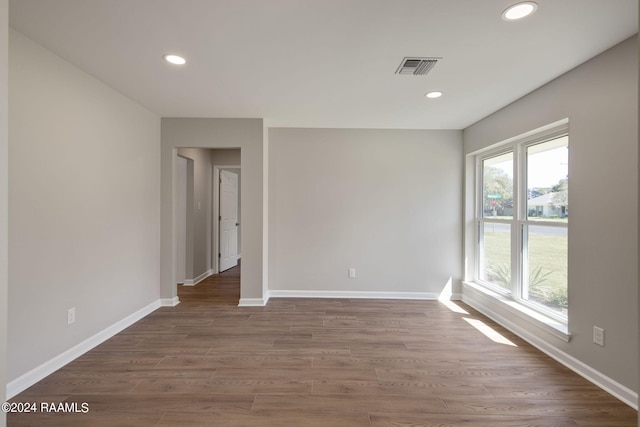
228	220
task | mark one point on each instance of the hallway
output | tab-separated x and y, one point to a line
218	289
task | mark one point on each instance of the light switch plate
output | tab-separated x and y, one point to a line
598	336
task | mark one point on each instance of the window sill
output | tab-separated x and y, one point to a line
505	304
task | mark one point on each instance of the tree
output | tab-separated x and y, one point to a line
497	182
560	194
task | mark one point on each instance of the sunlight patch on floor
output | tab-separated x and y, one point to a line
489	332
454	307
445	298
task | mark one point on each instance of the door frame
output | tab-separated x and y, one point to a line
189	214
182	214
215	226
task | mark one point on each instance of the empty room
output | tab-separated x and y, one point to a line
319	213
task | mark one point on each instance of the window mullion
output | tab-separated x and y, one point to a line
523	268
479	218
518	199
524	257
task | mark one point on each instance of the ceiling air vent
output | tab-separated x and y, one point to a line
417	66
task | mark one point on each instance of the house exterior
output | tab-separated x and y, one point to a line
549	205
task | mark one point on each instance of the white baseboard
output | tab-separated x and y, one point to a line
358	294
169	302
200	278
253	302
611	386
33	376
261	302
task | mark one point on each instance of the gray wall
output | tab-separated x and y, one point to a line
600	99
225	157
246	134
4	208
386	202
84	203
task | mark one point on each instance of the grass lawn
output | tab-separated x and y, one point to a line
547	257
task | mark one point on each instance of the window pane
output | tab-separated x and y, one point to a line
548	180
497	186
546	267
495	254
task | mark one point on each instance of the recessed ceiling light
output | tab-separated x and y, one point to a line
175	59
434	94
519	10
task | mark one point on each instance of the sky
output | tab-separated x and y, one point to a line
545	169
548	163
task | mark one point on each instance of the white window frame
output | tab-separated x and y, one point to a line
519	223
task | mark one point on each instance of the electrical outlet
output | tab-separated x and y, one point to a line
598	336
352	273
71	315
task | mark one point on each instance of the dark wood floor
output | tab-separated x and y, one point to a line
318	362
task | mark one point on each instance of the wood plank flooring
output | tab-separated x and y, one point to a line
318	362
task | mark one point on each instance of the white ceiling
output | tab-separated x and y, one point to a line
324	63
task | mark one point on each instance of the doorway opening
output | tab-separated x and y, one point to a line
218	289
208	216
